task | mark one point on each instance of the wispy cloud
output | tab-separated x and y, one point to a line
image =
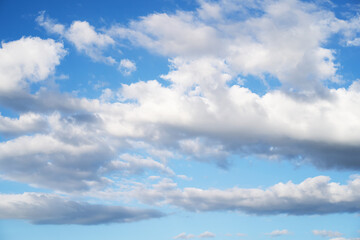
277	233
326	233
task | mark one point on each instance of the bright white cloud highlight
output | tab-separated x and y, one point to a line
27	60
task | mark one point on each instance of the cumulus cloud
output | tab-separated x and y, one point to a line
41	208
127	66
84	37
326	233
284	40
24	124
249	124
200	114
27	60
72	144
312	196
277	233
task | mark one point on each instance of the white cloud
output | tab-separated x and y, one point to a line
267	125
133	164
27	60
84	37
26	123
49	24
312	196
277	233
127	66
326	233
285	41
199	114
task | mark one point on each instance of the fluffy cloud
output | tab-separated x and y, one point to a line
312	196
249	124
52	209
76	145
277	233
26	123
202	114
82	35
127	66
284	40
27	60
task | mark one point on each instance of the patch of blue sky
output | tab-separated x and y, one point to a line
250	172
219	223
257	84
12	187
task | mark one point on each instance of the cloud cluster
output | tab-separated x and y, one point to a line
312	196
77	145
285	39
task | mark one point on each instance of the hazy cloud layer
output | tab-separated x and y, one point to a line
326	233
52	209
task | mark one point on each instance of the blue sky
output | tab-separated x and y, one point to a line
180	120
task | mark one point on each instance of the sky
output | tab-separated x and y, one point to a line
187	119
